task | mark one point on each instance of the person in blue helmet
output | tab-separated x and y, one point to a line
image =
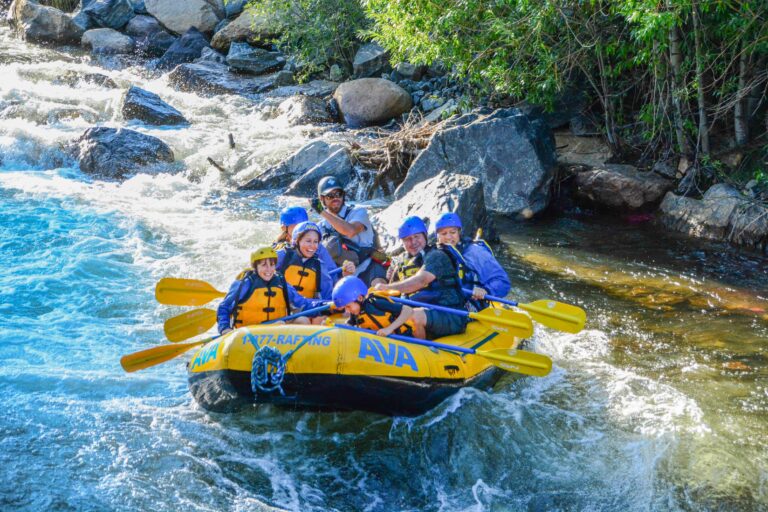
347	232
294	215
301	266
478	268
428	274
374	312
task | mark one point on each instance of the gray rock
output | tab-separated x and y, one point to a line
666	168
284	77
298	110
371	101
246	28
185	49
109	13
82	20
211	55
151	38
445	192
148	107
336	74
449	108
722	214
338	164
512	155
408	71
107	41
234	7
431	103
210	78
293	167
316	88
73	79
370	60
41	24
179	17
114	153
621	187
257	61
139	7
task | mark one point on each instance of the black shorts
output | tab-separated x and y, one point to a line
441	324
374	271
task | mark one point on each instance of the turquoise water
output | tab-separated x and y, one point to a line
641	412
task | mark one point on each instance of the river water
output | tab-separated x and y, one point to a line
660	404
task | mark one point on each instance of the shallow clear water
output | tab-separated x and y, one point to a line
660	404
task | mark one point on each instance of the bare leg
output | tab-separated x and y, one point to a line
318	320
302	320
419	323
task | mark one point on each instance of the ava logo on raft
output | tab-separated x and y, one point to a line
393	355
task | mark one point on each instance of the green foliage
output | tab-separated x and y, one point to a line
318	33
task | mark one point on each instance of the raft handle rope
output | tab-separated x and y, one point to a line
268	367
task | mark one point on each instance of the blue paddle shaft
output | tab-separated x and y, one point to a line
409	302
494	299
417	341
301	313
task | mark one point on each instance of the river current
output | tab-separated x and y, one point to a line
661	403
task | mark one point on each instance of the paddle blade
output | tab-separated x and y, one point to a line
505	321
156	355
519	361
185	292
556	315
189	324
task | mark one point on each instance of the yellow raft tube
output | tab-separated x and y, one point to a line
328	368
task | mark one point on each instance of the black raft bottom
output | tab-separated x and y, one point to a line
229	390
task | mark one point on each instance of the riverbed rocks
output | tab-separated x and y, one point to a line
293	167
246	28
152	40
42	24
621	188
257	61
371	101
116	152
209	78
179	16
147	107
371	60
338	164
723	214
185	49
511	154
112	14
298	110
445	192
106	41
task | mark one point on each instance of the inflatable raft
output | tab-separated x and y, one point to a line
329	368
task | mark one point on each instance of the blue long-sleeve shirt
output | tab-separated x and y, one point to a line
326	281
227	306
489	272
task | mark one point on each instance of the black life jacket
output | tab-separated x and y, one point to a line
410	265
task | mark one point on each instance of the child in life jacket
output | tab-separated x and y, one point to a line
370	311
260	294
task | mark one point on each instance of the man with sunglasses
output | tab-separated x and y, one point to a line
347	231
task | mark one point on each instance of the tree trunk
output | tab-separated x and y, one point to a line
740	115
676	63
703	125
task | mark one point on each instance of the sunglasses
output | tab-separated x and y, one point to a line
336	194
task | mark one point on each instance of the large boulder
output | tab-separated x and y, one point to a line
116	152
247	59
723	214
107	41
371	60
445	192
151	39
179	17
185	49
41	24
108	13
621	187
148	107
293	167
246	28
512	155
338	164
371	101
210	78
298	110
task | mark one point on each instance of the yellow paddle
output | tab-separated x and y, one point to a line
553	314
156	355
185	292
189	324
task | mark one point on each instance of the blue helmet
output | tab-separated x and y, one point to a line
293	215
302	228
448	220
347	290
410	226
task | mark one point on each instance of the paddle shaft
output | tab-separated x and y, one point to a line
526	307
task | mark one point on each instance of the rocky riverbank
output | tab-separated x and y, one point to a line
515	162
